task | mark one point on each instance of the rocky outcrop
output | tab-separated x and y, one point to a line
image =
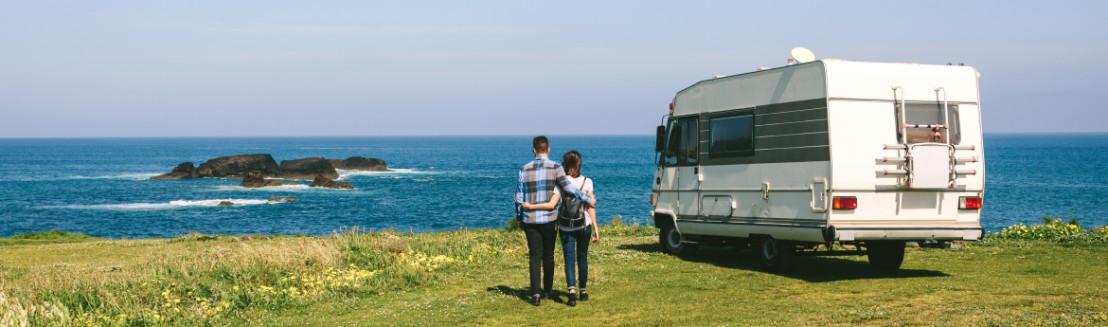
229	166
307	168
256	179
325	182
226	203
238	166
360	163
289	198
256	170
183	171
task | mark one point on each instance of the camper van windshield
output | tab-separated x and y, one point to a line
930	114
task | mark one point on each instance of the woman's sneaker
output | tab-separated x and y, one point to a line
584	296
572	300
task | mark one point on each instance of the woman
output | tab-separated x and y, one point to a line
575	240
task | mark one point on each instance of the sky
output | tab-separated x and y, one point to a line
367	68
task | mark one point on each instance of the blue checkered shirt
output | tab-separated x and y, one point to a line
537	181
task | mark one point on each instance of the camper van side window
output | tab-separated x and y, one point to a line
691	144
682	143
731	136
673	139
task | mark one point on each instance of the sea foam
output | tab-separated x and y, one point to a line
132	176
178	204
344	174
278	188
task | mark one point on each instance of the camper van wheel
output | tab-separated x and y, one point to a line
776	255
885	255
671	239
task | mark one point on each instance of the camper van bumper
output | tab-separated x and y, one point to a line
909	234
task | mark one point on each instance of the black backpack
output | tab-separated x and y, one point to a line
571	211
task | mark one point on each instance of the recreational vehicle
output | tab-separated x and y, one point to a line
795	160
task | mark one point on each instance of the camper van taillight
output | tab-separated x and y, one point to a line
844	202
969	202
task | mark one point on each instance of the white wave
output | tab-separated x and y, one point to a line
344	174
178	204
279	188
131	176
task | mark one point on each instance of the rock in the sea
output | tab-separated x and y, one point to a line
360	163
289	198
226	203
229	166
238	166
307	168
325	182
256	179
184	170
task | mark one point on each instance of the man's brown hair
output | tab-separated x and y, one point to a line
540	144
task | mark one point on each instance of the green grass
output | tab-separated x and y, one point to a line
53	236
479	277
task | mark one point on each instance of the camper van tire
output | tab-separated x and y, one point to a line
885	255
673	242
776	255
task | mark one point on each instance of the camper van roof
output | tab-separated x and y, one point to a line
826	78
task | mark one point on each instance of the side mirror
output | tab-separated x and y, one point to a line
660	143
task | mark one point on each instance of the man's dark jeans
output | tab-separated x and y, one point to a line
540	245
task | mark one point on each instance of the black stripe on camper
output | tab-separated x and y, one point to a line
784	132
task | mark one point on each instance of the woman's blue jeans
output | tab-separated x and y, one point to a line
575	246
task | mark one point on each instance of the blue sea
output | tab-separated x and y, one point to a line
100	187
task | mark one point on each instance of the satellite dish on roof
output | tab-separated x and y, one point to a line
802	55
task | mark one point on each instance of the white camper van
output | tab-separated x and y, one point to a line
822	152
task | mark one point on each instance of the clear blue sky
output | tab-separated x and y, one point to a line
319	68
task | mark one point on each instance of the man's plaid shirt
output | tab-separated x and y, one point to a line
537	181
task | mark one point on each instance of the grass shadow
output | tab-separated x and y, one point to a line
519	293
812	269
524	294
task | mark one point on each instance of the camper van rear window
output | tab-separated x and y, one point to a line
731	136
931	114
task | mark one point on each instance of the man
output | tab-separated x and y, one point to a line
537	181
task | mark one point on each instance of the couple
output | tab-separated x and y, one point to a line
535	201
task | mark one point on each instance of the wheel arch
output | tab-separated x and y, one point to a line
665	218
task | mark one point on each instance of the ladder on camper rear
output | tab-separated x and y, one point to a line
928	165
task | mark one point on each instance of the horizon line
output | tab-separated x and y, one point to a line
417	135
300	136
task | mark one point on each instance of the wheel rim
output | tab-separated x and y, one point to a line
673	238
769	249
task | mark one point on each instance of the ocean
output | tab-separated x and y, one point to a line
100	187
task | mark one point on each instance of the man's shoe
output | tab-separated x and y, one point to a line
584	296
546	295
535	300
572	300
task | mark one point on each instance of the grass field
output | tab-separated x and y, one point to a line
479	277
